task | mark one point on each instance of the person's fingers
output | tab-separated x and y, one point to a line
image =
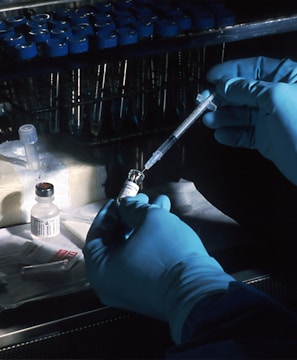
256	68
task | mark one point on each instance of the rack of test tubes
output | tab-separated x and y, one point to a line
106	70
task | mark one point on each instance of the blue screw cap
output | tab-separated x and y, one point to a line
13	40
39	35
26	51
56	47
106	39
127	36
145	29
82	29
166	28
78	44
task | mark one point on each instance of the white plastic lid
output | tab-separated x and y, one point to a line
28	134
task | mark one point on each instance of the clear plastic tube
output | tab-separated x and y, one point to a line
29	138
54	266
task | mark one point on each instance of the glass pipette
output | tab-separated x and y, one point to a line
204	104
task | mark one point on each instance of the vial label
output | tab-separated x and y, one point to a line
45	227
129	189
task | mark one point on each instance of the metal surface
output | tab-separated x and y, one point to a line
19	5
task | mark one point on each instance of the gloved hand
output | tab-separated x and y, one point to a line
258	96
142	258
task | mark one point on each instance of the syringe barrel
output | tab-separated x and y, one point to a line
189	120
162	149
204	104
167	144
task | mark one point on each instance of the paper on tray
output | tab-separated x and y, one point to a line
76	181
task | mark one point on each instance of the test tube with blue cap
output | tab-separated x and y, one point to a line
18	22
203	21
120	104
180	70
142	87
10	40
135	177
107	38
75	106
164	28
55	48
26	95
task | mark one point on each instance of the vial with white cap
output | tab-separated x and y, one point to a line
29	138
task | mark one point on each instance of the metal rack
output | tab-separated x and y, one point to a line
134	91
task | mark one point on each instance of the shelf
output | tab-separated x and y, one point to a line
12	69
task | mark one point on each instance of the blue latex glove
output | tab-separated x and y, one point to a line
259	99
142	258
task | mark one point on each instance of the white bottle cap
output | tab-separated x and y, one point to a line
28	134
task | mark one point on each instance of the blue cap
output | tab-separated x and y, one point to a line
145	29
106	39
41	18
63	14
127	36
26	51
61	33
124	4
174	13
102	18
16	21
161	7
107	26
142	11
143	2
82	29
76	19
86	10
59	24
14	39
104	7
185	23
166	28
9	31
56	47
78	44
122	20
39	35
2	24
204	20
31	24
225	18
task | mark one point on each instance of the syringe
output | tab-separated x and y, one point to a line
135	177
204	104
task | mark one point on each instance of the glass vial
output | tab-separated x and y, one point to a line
131	185
45	215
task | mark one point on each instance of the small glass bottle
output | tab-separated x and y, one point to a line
132	184
45	215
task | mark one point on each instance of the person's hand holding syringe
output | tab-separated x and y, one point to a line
135	177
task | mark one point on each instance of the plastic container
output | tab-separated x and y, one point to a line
29	138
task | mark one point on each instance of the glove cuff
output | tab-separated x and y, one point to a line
188	282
